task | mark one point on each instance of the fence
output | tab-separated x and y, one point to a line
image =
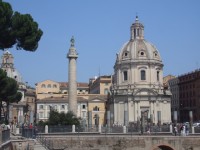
4	136
31	133
104	129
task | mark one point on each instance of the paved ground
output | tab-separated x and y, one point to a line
38	146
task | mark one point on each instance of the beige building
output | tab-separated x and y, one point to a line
166	81
55	94
138	90
49	88
24	111
96	110
60	104
100	85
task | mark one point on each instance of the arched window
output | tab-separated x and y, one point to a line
158	74
143	75
49	85
125	74
43	86
134	33
96	108
54	86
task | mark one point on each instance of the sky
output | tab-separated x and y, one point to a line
100	28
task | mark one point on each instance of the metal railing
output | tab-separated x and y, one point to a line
59	128
5	136
29	133
105	129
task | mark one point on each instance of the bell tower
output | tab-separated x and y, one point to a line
7	63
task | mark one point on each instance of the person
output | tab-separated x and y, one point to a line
30	126
8	126
183	131
35	131
175	130
187	130
148	131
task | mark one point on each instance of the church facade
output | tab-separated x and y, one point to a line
137	91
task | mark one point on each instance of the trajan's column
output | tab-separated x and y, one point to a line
72	85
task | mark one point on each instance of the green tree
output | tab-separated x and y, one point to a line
18	29
71	119
10	94
56	118
53	117
3	77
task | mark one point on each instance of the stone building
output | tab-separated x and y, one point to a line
7	64
166	81
90	107
17	112
175	106
137	90
100	85
185	89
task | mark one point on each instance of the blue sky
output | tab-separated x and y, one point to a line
100	28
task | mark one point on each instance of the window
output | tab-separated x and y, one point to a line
41	107
158	74
138	33
54	86
48	114
62	106
55	107
49	86
48	107
83	107
96	108
125	55
143	75
155	54
125	75
41	115
105	91
43	86
141	53
134	33
96	119
84	114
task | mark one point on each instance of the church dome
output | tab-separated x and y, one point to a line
137	49
138	64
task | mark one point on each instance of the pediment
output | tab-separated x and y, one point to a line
145	91
97	99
